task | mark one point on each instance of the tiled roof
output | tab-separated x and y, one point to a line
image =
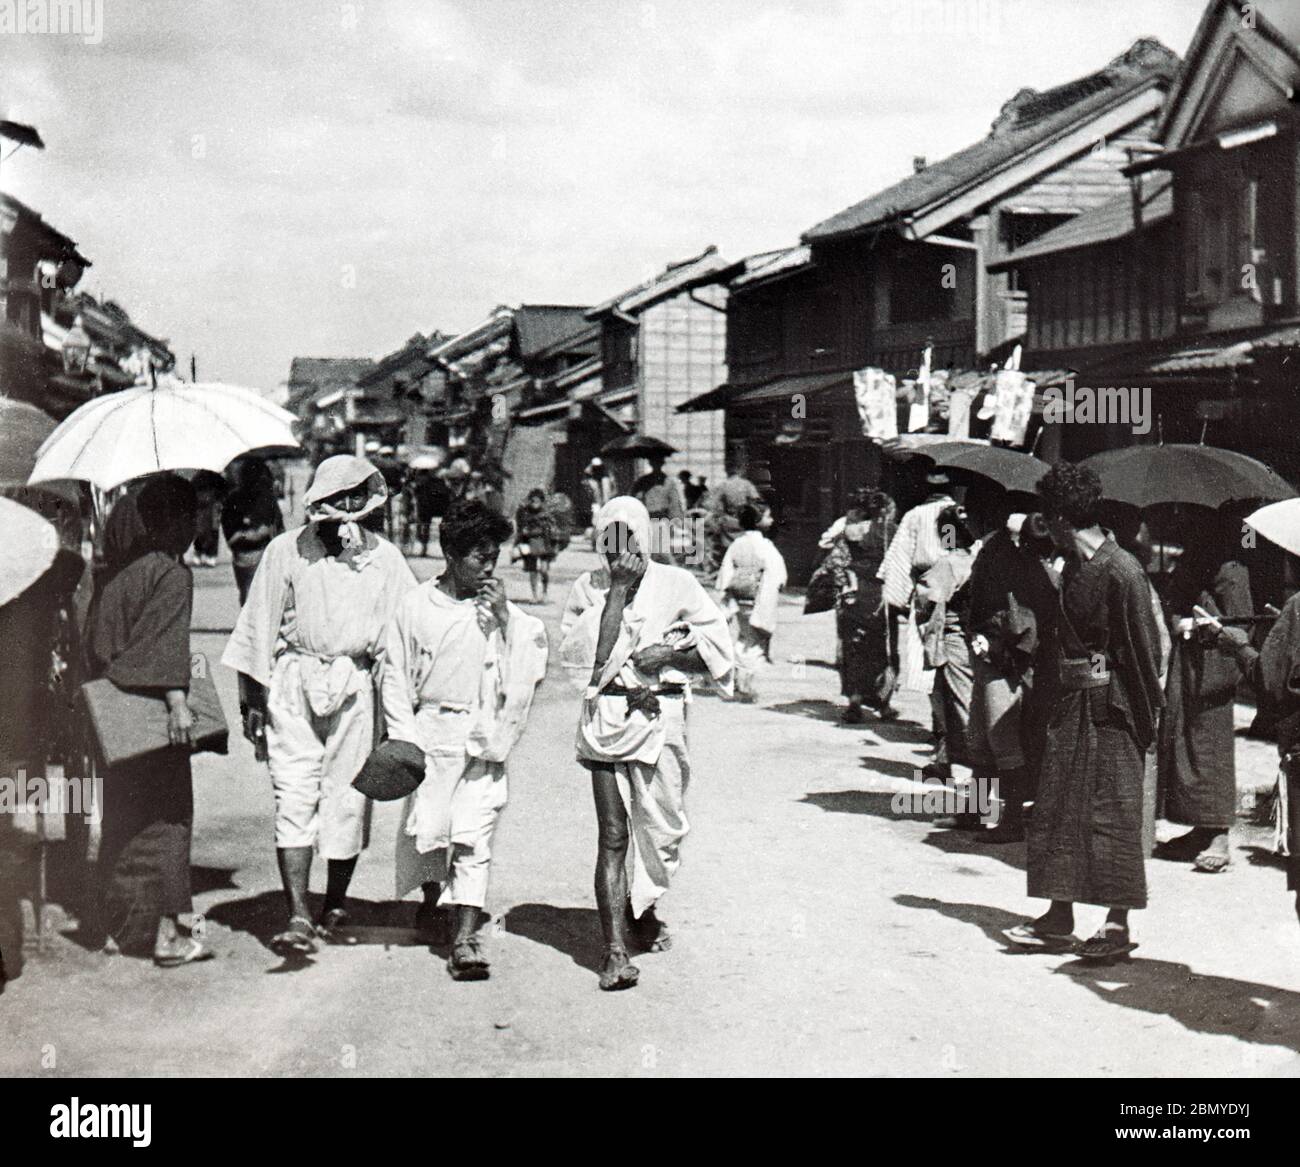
545	326
775	264
1111	220
1027	121
311	376
675	277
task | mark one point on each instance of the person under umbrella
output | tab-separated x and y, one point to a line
1196	750
868	656
1085	836
139	638
250	519
306	645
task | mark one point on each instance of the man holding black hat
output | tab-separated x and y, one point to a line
461	664
305	646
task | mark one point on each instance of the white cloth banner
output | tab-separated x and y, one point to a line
877	403
1014	401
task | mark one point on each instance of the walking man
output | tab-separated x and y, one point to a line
640	630
460	667
305	646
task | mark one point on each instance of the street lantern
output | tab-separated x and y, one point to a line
76	348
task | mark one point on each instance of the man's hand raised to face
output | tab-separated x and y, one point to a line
492	597
627	570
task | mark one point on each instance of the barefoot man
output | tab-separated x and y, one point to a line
461	664
305	646
640	630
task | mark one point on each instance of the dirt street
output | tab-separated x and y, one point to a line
816	931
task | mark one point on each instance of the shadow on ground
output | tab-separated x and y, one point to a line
880	804
1222	1006
575	932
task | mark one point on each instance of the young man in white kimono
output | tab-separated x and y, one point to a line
461	664
306	645
749	587
639	630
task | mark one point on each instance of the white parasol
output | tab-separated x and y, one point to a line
175	425
30	544
1279	523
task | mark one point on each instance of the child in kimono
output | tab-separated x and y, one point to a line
749	589
460	668
638	632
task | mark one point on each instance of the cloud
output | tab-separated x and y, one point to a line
260	181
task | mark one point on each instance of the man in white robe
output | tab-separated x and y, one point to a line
306	645
638	633
460	668
749	584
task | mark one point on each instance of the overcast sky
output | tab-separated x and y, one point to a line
256	181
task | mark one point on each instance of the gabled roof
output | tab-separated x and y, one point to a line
1275	22
315	376
542	327
1028	122
774	264
701	269
57	244
1111	220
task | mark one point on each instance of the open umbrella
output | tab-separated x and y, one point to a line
1011	469
637	446
30	544
1145	476
175	425
1279	523
23	429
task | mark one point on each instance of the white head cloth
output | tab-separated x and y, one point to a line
333	476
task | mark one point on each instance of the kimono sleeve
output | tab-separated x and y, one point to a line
768	600
252	641
156	654
395	686
523	667
896	569
1139	633
709	625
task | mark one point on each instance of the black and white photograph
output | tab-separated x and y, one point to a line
651	539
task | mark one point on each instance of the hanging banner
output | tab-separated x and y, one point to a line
1013	404
875	392
918	416
959	403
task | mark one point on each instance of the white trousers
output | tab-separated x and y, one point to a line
313	760
655	800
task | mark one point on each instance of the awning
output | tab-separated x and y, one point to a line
540	413
775	389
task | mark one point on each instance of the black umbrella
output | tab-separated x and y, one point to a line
1145	476
1011	469
637	446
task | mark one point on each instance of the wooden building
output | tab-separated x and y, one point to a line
907	268
1188	286
662	343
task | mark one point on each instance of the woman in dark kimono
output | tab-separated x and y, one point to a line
139	638
868	664
1197	768
1085	836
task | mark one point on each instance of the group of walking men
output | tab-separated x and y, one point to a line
337	645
